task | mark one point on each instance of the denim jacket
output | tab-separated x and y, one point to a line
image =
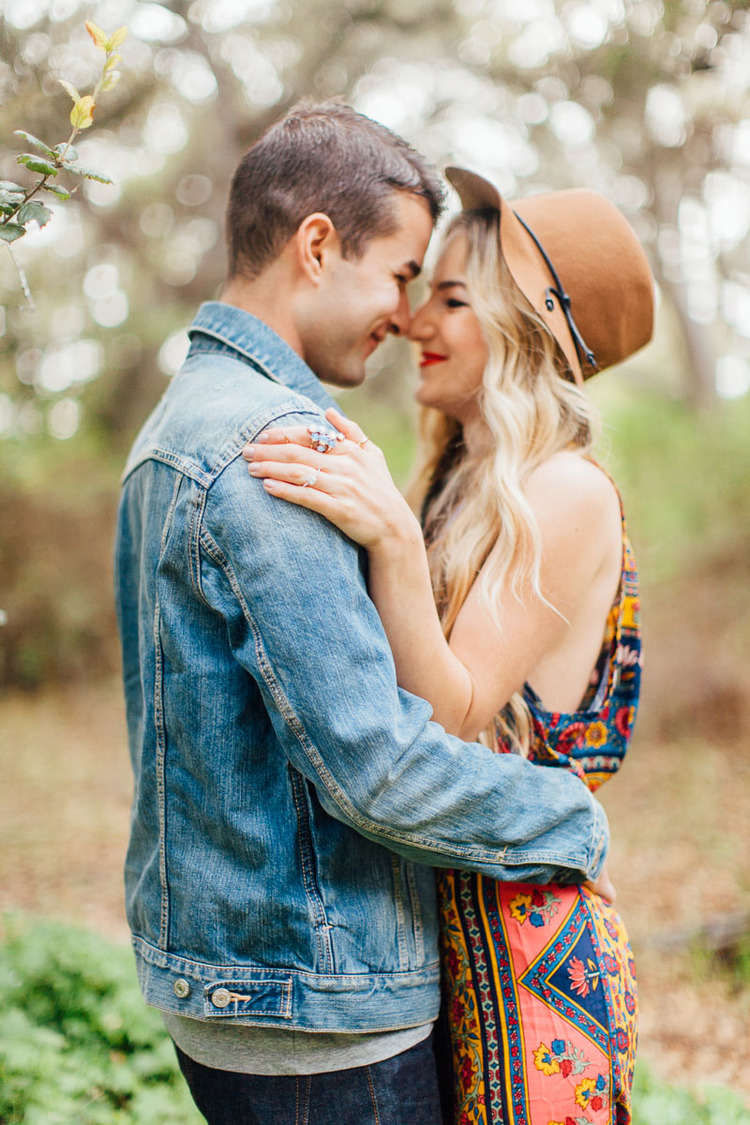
289	796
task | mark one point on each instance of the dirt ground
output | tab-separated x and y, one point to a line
680	816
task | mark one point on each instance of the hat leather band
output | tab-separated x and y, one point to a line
556	290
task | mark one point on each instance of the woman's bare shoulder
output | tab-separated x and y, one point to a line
576	505
572	482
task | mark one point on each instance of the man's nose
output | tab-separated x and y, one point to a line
400	324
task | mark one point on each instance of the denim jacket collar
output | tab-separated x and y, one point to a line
252	340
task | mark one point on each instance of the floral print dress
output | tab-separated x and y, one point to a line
539	980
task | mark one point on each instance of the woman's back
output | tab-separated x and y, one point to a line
578	512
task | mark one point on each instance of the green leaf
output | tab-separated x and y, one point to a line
7	208
69	90
71	152
35	142
87	174
34	212
9	232
82	113
111	79
60	192
9	186
117	38
36	164
96	33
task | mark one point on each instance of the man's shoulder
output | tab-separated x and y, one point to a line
214	405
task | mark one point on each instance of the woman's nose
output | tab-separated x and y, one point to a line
421	326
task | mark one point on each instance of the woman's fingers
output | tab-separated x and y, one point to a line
305	497
296	473
284	435
348	428
324	438
290	454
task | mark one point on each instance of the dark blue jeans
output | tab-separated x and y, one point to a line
398	1091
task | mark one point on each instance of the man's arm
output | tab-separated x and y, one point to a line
303	626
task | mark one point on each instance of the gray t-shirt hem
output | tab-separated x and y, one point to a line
272	1051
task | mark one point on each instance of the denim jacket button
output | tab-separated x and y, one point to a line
181	988
221	998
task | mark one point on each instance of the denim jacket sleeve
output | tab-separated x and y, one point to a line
292	591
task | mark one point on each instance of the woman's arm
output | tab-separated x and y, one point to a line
469	679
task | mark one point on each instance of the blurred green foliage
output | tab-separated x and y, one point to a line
655	1103
18	208
77	1043
684	475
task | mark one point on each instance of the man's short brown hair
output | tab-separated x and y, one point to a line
321	157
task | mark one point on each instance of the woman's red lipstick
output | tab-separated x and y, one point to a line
429	358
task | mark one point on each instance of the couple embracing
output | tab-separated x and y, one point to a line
364	740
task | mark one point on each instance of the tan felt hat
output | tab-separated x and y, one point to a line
577	260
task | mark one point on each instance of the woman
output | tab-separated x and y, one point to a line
516	617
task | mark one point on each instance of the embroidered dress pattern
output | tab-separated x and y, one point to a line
540	981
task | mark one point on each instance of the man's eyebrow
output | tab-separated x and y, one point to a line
449	285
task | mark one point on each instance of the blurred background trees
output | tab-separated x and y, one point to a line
644	100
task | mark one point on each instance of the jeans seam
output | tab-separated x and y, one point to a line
373	1099
305	1105
306	1108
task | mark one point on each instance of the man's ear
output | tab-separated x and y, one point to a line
316	239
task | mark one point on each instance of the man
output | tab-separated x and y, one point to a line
288	796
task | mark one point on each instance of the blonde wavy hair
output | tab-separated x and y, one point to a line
472	501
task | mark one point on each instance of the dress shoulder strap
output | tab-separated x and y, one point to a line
624	616
592	741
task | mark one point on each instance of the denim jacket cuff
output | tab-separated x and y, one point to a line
599	842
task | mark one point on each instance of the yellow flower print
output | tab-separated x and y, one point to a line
584	1091
520	907
631	612
544	1060
596	735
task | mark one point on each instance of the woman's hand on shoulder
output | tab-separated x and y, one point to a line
339	473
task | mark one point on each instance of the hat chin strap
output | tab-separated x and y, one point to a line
582	350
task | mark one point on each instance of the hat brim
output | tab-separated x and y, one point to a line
475	193
522	257
573	248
